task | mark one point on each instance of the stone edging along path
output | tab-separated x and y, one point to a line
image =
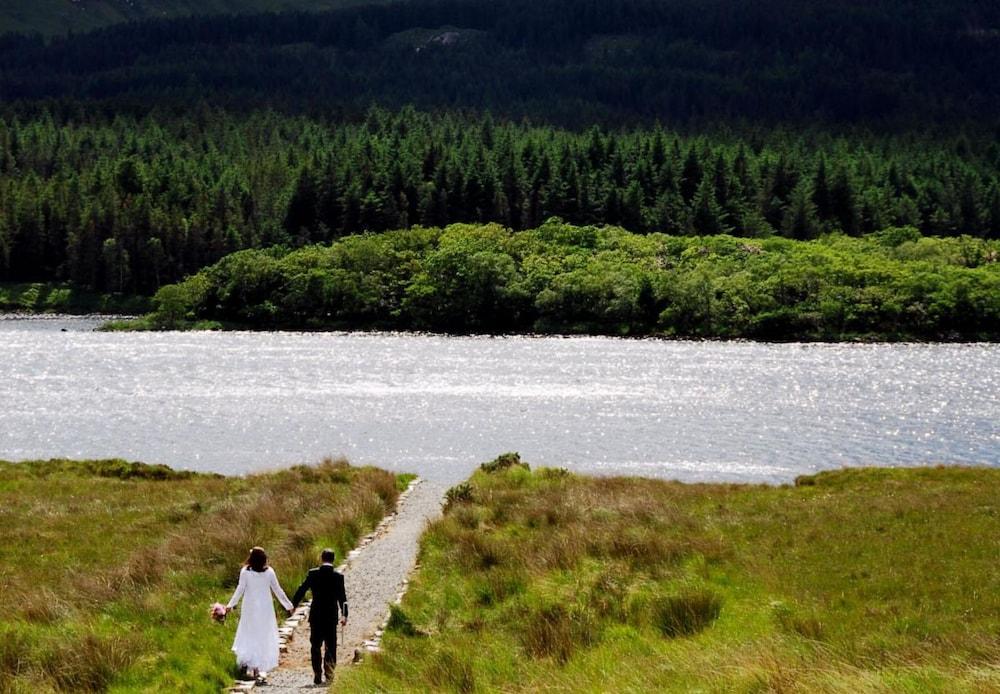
377	574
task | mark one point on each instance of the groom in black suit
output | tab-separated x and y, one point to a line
327	586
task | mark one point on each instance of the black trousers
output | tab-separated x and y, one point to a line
320	633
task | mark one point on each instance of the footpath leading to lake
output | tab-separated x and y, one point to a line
375	575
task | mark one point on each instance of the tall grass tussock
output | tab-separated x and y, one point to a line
866	580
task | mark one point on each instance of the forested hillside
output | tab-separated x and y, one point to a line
137	154
127	205
569	62
62	16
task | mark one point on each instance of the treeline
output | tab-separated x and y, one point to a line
567	62
565	279
61	17
127	205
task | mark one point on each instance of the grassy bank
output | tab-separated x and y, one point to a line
39	297
108	567
860	580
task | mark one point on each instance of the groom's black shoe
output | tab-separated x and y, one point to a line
317	679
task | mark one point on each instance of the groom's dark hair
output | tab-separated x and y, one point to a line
327	555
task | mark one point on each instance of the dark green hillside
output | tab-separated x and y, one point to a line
573	62
61	16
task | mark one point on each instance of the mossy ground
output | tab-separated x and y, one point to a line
860	580
109	568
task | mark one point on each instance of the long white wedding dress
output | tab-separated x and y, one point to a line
256	643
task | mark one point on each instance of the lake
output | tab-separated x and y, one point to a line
723	411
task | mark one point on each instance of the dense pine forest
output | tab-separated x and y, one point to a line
128	205
134	155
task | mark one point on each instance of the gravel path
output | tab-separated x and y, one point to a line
375	575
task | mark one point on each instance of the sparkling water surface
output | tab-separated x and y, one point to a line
438	406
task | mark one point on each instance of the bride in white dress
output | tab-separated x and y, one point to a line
256	643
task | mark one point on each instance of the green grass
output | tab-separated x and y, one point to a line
40	297
866	580
108	568
403	480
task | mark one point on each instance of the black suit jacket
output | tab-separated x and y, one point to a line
328	593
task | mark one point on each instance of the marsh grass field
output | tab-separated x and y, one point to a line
862	580
108	568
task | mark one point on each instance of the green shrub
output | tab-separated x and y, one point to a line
459	494
504	462
892	285
113	468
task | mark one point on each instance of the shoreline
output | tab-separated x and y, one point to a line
56	315
389	332
804	478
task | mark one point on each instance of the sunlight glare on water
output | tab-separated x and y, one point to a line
438	406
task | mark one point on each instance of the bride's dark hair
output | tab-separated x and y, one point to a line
257	559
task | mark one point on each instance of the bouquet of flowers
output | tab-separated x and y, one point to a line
218	612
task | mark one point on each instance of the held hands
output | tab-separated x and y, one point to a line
343	622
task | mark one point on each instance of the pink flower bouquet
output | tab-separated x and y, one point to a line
218	612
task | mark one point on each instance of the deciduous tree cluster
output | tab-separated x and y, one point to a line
559	278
